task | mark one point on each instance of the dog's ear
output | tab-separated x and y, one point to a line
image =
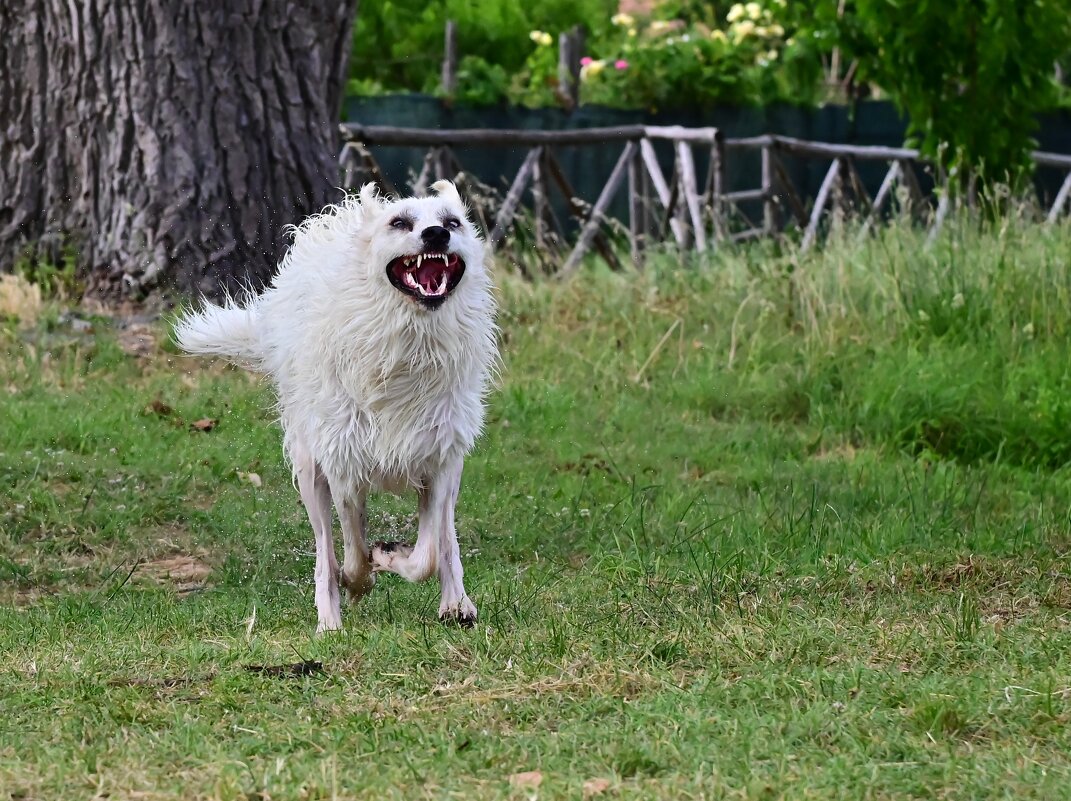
447	190
369	197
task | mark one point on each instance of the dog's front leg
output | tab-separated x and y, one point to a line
436	547
455	606
416	562
316	495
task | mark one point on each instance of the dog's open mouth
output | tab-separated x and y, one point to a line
428	277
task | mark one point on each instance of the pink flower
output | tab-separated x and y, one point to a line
621	64
585	61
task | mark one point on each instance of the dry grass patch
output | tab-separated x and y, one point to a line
20	300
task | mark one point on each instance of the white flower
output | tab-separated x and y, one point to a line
735	13
742	30
776	30
541	38
591	69
718	36
754	10
624	20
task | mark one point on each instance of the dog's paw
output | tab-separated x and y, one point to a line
461	613
384	555
357	584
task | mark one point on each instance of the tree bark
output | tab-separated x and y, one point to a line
167	142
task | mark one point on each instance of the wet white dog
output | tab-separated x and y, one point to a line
379	335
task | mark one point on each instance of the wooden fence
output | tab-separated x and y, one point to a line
689	208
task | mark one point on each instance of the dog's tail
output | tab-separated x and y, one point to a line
229	330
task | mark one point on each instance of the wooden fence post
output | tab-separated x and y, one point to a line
513	198
638	208
443	166
540	200
450	59
686	172
570	45
598	211
770	218
1061	199
717	187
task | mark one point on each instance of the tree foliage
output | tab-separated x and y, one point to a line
971	75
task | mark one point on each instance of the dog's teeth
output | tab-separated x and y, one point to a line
419	260
442	286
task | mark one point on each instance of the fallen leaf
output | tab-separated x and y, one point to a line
529	778
595	787
204	424
252	478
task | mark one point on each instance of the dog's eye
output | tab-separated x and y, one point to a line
452	223
401	224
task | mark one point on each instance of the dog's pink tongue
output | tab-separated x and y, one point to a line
430	276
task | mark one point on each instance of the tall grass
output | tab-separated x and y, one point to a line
958	349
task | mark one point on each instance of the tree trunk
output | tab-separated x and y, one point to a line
167	142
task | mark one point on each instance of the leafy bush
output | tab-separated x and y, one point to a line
673	63
399	43
509	53
970	74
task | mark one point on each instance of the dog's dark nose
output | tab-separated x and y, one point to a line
435	237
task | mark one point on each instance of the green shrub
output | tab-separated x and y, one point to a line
686	53
399	43
971	75
662	63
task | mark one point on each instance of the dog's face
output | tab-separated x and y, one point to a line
423	246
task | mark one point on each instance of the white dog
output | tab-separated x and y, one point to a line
379	335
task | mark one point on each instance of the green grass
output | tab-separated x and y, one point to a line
766	527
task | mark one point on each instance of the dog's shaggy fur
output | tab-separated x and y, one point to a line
381	356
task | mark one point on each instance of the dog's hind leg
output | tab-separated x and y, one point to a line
316	495
357	575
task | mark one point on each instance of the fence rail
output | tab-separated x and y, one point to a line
693	210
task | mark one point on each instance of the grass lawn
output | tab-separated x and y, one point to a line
765	527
